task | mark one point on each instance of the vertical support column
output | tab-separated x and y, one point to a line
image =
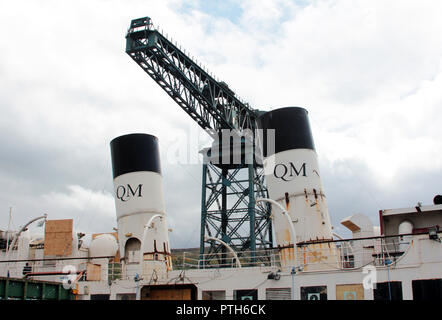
228	211
25	289
251	212
203	214
224	217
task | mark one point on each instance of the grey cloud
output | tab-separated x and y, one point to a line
62	105
351	187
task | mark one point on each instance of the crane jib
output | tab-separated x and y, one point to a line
210	103
214	106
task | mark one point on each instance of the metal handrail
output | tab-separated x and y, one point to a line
347	257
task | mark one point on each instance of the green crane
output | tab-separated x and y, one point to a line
228	208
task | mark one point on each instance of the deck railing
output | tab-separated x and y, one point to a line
345	255
348	254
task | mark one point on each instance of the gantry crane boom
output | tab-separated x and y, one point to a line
209	102
228	210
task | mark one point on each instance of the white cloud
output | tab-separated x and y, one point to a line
369	72
79	198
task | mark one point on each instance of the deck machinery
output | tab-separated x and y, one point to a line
228	208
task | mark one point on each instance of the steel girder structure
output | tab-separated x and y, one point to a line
229	212
214	107
209	102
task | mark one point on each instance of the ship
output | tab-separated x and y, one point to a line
398	259
266	232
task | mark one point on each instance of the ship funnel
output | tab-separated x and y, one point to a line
138	191
293	179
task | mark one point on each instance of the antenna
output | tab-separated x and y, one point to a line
9	228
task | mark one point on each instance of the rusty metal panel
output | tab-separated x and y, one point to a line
169	294
349	292
93	272
64	225
58	237
350	225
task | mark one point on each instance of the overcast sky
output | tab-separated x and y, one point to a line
368	72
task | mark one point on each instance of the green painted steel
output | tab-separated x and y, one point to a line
209	102
203	214
228	210
229	213
251	211
25	289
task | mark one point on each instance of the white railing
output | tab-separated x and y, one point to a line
226	260
348	254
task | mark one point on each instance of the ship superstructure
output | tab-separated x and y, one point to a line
405	262
265	225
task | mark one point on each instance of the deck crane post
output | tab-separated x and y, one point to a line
228	210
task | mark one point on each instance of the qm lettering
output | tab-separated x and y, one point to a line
125	193
288	172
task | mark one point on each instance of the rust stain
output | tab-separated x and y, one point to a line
287	235
305	256
287	201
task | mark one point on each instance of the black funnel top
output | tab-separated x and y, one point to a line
135	152
292	129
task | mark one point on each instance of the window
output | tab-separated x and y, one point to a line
248	294
114	271
427	289
314	293
349	292
126	296
388	291
214	295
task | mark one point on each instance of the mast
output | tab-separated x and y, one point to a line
9	229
